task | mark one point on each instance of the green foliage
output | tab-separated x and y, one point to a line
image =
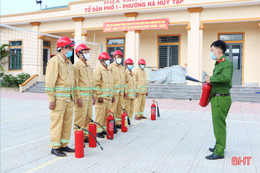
14	81
3	53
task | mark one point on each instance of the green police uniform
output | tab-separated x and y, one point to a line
221	84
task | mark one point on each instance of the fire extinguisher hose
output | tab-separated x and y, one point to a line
90	134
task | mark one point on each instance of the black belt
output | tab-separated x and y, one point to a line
221	95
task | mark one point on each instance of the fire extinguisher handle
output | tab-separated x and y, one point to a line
102	128
90	134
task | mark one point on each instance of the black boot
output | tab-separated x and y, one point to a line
58	152
212	149
67	149
118	126
214	157
86	140
100	135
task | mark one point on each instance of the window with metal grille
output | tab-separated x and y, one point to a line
15	55
168	53
46	44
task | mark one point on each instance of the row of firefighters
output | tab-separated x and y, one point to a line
77	87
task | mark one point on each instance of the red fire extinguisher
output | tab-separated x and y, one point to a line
101	127
110	127
79	144
205	96
124	122
93	130
153	111
80	128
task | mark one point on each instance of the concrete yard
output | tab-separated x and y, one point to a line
178	141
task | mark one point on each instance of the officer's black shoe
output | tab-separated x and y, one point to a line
214	157
118	126
104	133
212	149
58	152
86	140
100	135
67	149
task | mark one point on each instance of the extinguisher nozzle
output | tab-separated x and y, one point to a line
101	148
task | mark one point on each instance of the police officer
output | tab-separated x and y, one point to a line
220	96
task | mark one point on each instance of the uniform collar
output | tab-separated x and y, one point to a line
82	63
62	59
117	65
103	68
221	59
129	71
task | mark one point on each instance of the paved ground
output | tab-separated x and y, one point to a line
176	142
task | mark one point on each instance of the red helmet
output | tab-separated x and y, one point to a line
129	61
142	61
81	47
103	55
117	52
64	41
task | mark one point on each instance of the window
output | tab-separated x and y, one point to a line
15	55
46	44
231	37
168	51
169	39
116	41
115	44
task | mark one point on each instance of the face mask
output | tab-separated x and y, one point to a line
86	56
69	54
142	66
118	61
130	67
107	62
213	56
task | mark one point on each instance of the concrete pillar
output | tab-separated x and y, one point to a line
78	32
259	48
194	45
130	39
137	47
38	67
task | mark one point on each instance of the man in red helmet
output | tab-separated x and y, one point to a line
83	88
142	90
118	74
59	87
130	87
103	83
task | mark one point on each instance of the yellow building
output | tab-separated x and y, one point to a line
192	27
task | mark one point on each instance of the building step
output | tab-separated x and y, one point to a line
181	92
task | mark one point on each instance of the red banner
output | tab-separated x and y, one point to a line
136	25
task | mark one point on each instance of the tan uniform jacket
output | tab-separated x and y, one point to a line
103	83
59	81
118	73
84	82
130	83
141	81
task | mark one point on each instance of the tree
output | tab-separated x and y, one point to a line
4	53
